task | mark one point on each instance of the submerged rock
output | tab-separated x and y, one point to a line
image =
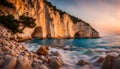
55	63
82	62
43	50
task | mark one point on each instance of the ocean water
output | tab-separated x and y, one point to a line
88	49
106	42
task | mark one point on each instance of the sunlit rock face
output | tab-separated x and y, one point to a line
49	23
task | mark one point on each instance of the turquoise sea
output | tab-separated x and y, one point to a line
90	49
103	42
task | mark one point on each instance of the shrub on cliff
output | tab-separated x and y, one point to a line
6	3
10	22
13	24
27	21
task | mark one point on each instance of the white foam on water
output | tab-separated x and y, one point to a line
70	58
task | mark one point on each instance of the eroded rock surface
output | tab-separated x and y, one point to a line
50	23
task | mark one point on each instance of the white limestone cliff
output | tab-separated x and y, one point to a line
49	23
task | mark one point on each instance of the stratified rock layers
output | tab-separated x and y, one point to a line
49	23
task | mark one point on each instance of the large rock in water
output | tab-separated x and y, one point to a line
82	62
43	50
50	23
116	64
107	64
100	60
55	63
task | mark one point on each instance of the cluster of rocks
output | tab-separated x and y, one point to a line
111	61
15	56
8	35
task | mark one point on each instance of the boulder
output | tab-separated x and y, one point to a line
43	50
6	48
100	60
56	53
1	63
108	61
43	67
6	57
12	53
82	62
55	63
10	63
116	64
35	65
23	63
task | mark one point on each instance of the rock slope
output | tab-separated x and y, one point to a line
14	55
50	22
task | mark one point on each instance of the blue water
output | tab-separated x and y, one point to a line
90	49
103	42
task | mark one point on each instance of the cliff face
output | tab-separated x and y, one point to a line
49	23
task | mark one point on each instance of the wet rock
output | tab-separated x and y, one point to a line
22	53
23	63
10	63
43	67
42	57
35	65
43	50
55	63
46	60
56	53
100	60
82	62
116	64
35	55
6	57
12	53
1	50
6	48
108	61
118	56
1	63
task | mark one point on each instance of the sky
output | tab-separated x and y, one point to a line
103	15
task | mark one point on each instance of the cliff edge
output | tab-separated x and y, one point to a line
50	21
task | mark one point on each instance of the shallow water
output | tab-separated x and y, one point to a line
112	41
89	49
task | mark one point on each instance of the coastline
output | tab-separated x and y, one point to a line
15	55
70	58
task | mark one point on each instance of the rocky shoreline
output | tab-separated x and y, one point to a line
13	55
